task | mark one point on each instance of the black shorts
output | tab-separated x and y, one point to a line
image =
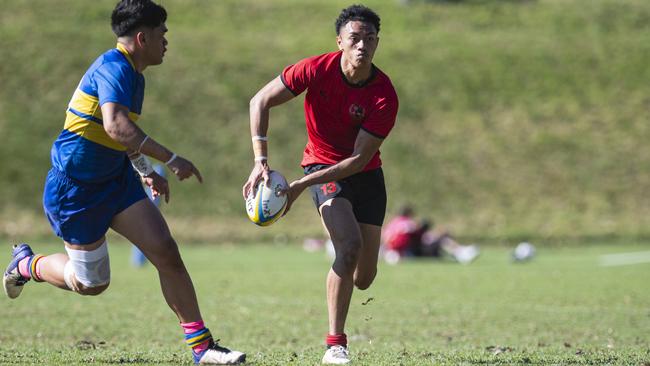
365	191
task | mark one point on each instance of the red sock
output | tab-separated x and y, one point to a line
337	340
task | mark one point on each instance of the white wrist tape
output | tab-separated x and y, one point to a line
142	165
260	138
261	158
174	156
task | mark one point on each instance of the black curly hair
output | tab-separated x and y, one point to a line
356	12
129	15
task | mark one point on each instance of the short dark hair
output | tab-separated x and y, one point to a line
131	14
356	12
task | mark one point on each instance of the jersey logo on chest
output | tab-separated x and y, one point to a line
357	112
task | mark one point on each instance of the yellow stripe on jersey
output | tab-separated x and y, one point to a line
90	130
89	105
86	104
133	116
86	117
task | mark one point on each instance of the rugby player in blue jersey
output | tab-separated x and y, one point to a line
92	185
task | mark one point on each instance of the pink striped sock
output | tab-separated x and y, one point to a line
195	327
23	267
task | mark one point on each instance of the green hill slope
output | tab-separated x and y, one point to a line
517	118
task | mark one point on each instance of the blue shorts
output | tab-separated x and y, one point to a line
81	212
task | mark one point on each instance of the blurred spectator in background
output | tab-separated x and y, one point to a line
399	232
404	236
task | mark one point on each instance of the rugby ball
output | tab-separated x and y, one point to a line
265	205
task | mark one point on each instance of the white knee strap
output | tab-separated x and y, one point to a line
90	268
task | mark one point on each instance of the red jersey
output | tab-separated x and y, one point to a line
335	110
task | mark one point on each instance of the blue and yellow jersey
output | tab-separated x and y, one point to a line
83	150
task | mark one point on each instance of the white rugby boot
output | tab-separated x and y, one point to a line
217	355
336	355
12	281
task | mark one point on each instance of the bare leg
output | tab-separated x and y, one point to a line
463	253
449	245
339	220
143	225
369	254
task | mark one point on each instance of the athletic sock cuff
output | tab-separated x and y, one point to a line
192	327
337	340
31	265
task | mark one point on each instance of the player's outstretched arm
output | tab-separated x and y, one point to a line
272	94
120	128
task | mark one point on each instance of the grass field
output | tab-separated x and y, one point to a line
561	308
518	120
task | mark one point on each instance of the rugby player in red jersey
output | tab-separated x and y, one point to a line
350	107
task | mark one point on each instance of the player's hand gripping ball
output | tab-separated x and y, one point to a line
265	205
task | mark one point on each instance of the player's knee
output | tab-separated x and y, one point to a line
363	285
91	291
164	254
172	263
88	272
347	256
170	259
364	282
350	258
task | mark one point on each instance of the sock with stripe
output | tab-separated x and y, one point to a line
29	267
197	336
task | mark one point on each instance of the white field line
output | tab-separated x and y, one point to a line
624	259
